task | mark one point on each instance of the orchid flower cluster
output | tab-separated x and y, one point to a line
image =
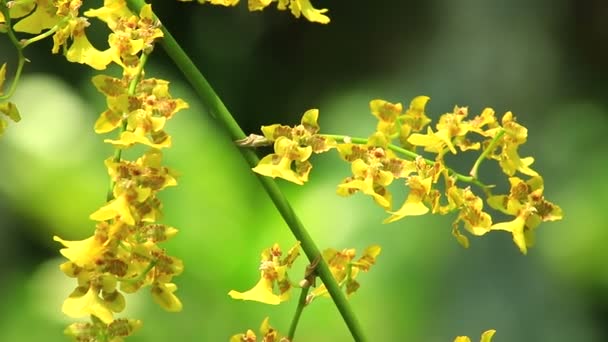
275	284
391	154
404	153
123	256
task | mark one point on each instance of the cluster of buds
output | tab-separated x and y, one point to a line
390	154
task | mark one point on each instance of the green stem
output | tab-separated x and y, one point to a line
296	316
485	153
131	91
409	154
218	110
142	275
47	33
20	57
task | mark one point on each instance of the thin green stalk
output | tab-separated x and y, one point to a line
485	153
20	57
412	155
218	110
46	33
296	316
142	275
131	91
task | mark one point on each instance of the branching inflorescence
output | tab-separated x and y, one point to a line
123	256
390	154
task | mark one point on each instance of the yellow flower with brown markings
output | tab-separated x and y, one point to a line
273	273
293	146
345	269
269	334
527	203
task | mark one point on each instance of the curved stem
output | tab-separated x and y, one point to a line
412	155
142	275
485	152
296	316
216	108
46	33
20	57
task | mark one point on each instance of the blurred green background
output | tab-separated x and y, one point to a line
544	60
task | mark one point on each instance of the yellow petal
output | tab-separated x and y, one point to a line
248	336
107	122
487	335
117	207
87	304
368	257
366	186
261	292
418	104
413	206
2	76
158	123
516	227
500	202
359	168
81	51
146	12
163	296
319	291
305	8
128	139
20	9
111	12
270	167
115	301
265	326
82	252
462	339
524	166
446	137
385	111
272	132
224	2
414	116
462	239
379	139
309	120
430	141
42	18
288	148
482	226
258	5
